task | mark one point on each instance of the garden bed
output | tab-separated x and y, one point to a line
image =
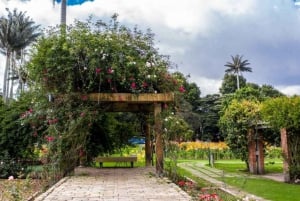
20	189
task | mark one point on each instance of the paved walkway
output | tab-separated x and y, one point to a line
114	184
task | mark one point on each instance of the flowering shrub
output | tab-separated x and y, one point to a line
114	60
186	185
192	188
209	197
203	145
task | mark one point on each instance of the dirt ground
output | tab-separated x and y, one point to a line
19	189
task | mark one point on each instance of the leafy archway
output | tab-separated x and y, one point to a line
73	72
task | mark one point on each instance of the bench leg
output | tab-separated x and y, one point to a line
101	164
131	164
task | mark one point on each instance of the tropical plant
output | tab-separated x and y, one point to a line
17	31
229	84
237	66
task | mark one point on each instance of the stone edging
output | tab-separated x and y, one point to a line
42	196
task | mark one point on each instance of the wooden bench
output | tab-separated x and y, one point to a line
117	159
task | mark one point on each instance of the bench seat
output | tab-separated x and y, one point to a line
117	159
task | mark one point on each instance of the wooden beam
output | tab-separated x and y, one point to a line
126	107
132	98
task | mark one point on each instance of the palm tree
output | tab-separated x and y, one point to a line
238	66
63	12
17	31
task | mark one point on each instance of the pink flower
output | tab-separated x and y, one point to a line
98	70
182	89
82	114
49	138
133	85
109	80
110	71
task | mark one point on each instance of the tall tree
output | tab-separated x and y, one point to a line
237	66
229	84
17	31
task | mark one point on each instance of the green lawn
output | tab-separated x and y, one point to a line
269	189
238	166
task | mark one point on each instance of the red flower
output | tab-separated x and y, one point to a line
84	97
52	121
182	89
109	80
133	85
98	70
181	183
145	84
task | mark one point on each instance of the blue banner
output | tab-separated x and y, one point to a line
74	2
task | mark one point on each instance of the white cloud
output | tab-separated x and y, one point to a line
289	90
200	35
207	86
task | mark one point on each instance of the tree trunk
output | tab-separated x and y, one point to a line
63	14
5	78
238	81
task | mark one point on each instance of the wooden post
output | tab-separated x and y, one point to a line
148	149
255	152
285	153
159	141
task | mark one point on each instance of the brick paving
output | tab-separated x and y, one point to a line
114	184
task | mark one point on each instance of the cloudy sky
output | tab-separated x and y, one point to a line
201	35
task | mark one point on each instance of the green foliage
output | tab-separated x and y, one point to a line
282	112
176	129
238	117
209	108
16	139
229	84
91	57
100	57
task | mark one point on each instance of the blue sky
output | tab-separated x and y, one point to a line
201	35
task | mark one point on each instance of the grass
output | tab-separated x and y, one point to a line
238	166
269	189
266	188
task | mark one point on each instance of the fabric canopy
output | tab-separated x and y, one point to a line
73	2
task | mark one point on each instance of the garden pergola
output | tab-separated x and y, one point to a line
150	103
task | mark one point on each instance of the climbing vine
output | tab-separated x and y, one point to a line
284	112
237	118
89	57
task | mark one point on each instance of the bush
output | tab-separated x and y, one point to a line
11	167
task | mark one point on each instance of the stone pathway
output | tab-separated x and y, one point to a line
114	184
